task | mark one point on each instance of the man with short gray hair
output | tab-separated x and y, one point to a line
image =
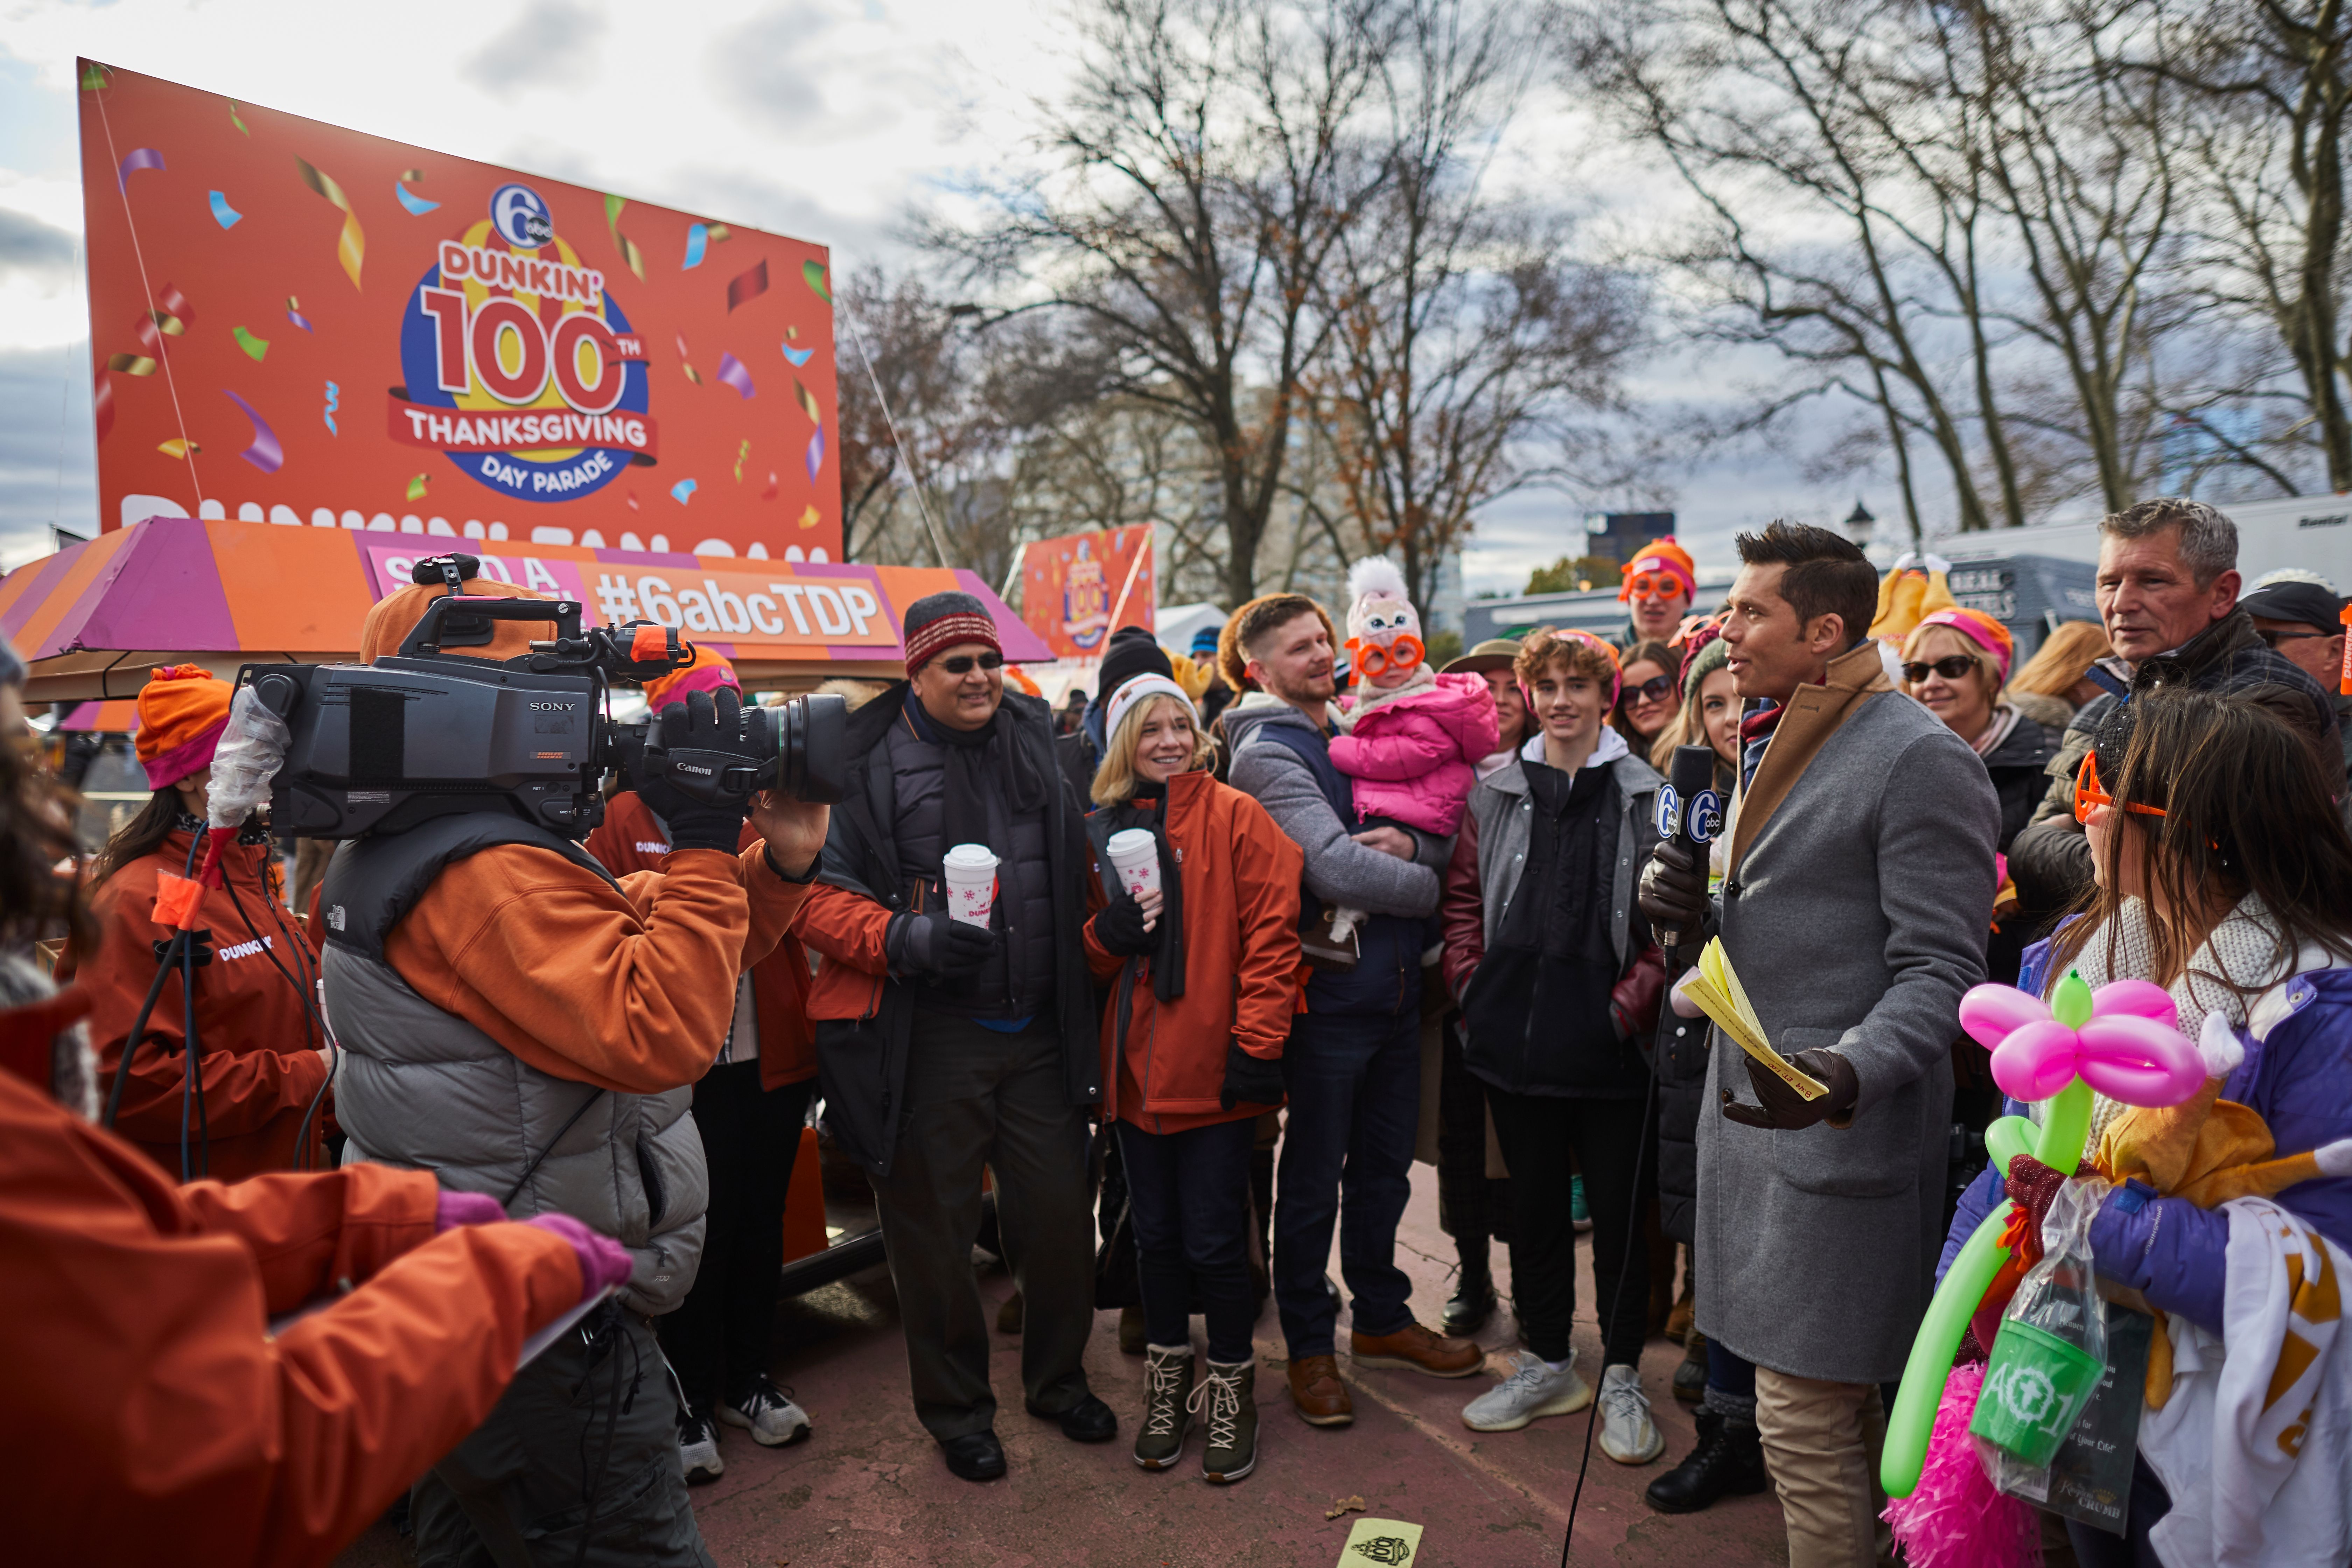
2167	595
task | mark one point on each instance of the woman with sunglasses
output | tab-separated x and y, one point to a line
2224	875
1954	662
1646	706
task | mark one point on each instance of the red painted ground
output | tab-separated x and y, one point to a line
869	1486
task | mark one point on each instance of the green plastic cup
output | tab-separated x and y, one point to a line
2035	1385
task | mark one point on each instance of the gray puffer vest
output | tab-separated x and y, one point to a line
425	1089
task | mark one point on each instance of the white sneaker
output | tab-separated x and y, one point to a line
1532	1390
697	1450
767	1413
1627	1434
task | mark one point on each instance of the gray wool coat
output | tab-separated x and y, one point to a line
1854	911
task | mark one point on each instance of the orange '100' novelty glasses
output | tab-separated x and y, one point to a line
2089	794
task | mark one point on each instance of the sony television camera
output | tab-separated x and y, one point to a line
429	732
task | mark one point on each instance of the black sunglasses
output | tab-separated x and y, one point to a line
961	663
2272	639
1655	689
1952	667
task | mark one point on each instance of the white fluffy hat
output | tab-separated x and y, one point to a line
1378	606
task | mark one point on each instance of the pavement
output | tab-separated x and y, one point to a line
868	1488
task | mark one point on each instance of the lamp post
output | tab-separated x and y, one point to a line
1859	523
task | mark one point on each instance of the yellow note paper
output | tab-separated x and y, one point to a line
1387	1542
1716	987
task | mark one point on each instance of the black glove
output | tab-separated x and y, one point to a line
1672	894
1249	1081
942	946
1118	926
698	724
1780	1107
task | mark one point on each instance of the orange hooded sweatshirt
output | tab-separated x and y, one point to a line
258	1051
152	1418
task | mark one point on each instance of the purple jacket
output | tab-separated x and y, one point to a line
2298	1080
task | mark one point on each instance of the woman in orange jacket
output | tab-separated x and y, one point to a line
1205	968
254	1099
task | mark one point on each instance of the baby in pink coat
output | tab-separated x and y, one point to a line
1412	736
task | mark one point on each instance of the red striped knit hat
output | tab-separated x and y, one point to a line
940	621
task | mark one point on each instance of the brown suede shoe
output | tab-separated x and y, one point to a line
1322	1399
1415	1348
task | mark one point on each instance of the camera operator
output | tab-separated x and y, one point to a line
749	1108
526	1027
944	1044
152	1413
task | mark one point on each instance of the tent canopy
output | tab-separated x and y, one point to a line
92	620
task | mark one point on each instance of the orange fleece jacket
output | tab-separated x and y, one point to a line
629	990
152	1416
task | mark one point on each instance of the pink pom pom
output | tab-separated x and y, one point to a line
1954	1518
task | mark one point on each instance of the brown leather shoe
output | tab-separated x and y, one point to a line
1415	1348
1322	1399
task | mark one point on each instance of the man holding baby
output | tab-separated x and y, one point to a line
951	1037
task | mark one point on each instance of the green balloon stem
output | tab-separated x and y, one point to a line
2071	1003
2065	1131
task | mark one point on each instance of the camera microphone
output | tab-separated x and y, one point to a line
1690	812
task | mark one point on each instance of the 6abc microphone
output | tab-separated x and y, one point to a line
1690	813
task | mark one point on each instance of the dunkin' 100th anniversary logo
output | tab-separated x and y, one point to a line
521	369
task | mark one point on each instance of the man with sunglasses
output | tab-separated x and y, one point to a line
942	1045
1660	584
2167	595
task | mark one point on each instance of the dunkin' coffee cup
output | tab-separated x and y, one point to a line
1135	862
969	872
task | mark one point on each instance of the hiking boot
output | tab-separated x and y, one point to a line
1167	1387
697	1450
1230	1394
1690	1373
1473	1304
1132	1335
1628	1434
1729	1461
1416	1349
766	1412
1315	1387
1532	1391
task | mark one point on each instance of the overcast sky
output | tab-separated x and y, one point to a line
822	118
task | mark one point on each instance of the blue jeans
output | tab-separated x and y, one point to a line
1188	1195
1354	1084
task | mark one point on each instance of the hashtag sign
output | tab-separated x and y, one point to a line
616	599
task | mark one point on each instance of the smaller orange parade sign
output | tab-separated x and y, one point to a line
1079	588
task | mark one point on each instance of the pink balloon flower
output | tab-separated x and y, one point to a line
2128	1050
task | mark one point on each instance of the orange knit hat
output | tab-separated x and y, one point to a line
707	672
182	712
1662	555
393	617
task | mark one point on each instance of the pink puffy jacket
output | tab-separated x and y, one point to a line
1411	756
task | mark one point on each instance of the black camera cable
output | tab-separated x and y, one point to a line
312	1018
179	950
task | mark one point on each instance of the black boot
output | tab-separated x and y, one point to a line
1728	1462
1473	1298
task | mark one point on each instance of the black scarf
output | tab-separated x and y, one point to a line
1148	810
976	759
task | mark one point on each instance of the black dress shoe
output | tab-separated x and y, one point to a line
1472	1305
1087	1421
975	1456
1728	1462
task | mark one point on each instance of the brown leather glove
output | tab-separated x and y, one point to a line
1673	891
1781	1108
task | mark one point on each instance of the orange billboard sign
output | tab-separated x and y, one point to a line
1079	588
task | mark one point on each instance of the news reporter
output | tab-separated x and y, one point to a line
1205	972
261	1060
151	1413
523	1025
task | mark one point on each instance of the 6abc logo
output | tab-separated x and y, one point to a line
521	218
1706	814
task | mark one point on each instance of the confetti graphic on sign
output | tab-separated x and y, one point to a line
812	517
175	448
254	347
700	237
807	400
816	451
740	453
101	402
264	453
417	205
141	158
689	364
132	365
732	371
224	215
416	488
747	285
93	77
775	486
350	247
233	119
799	357
294	313
813	274
682	491
176	313
333	391
630	254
